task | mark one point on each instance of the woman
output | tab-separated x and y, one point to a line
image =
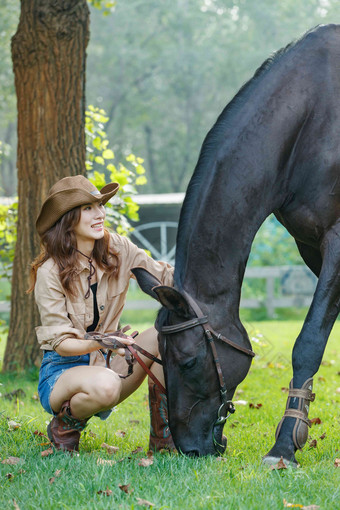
80	281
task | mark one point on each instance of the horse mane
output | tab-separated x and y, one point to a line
207	156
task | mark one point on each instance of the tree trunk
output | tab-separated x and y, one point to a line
49	53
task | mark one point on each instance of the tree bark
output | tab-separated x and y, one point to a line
49	54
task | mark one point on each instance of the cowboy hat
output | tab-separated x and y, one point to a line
68	193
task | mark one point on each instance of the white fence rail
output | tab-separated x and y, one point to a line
286	286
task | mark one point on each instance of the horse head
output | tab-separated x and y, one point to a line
195	369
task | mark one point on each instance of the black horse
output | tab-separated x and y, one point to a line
274	149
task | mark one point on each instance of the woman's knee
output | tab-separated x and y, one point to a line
107	389
148	339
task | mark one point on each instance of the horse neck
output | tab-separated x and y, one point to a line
238	181
216	260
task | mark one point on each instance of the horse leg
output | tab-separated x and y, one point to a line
308	350
311	256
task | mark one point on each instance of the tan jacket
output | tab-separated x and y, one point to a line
63	315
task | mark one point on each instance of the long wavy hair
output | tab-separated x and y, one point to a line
60	243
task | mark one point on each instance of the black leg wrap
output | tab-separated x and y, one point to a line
304	396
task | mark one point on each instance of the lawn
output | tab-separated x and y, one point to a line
236	481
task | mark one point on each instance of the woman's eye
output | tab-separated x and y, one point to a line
189	364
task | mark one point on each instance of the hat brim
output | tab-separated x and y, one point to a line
64	201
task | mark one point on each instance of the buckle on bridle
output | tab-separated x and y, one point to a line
229	409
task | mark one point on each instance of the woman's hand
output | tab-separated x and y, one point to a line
127	340
115	340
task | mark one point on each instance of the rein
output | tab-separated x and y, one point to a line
131	356
211	335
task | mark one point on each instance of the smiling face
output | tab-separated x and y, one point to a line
90	226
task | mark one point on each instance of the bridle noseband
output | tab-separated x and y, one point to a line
202	320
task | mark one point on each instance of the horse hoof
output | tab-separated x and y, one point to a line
270	460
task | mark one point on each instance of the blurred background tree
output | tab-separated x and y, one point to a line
163	71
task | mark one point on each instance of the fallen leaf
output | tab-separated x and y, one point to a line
47	452
92	434
9	476
255	406
35	396
337	463
315	421
321	379
323	436
291	505
56	474
109	448
146	461
279	465
125	488
15	394
108	492
313	443
120	433
12	460
144	502
15	505
13	425
106	461
137	450
37	433
135	422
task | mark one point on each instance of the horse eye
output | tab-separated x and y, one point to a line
189	364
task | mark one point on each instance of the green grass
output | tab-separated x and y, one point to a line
239	481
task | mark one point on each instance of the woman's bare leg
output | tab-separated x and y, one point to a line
148	340
89	389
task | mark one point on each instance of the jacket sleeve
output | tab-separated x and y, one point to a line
51	300
136	257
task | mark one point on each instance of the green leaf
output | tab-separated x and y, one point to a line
108	154
141	180
140	169
99	160
97	143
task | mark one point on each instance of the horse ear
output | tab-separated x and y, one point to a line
146	281
173	300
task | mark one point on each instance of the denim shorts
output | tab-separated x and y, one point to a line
52	366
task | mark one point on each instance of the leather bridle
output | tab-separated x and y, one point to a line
227	407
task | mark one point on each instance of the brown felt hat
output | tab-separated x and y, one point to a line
68	193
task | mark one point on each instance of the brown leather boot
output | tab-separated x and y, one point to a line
160	435
64	429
